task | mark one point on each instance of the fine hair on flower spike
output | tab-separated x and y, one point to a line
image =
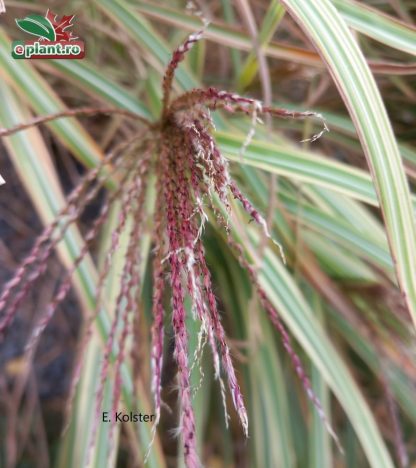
193	185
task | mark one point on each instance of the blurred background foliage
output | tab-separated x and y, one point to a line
345	300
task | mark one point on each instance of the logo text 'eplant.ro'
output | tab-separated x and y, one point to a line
54	41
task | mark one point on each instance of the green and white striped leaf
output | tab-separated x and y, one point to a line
378	25
321	21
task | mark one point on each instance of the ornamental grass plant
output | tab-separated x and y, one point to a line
235	240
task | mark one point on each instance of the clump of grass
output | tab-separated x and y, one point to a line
192	179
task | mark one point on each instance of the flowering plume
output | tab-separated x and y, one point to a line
190	171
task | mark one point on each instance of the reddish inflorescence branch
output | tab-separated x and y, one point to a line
177	57
34	265
190	173
79	112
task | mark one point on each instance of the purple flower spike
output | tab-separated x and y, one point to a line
192	178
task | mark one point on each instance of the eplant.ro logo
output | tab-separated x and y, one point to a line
54	41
